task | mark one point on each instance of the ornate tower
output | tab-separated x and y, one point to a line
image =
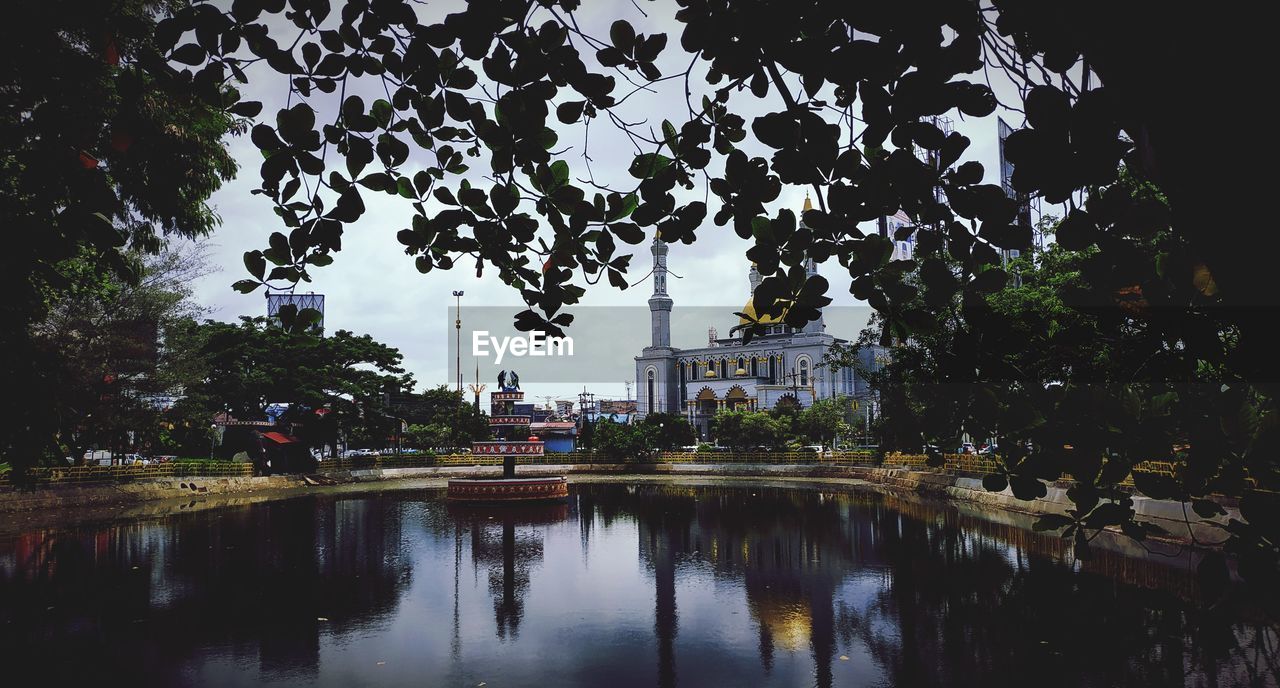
656	377
660	303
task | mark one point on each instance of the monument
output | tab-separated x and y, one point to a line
513	441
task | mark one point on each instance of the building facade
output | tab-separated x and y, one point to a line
782	366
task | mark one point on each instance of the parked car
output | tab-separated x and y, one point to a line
967	448
988	449
363	452
97	457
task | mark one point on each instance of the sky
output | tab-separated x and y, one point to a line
373	288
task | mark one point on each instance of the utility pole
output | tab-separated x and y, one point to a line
586	401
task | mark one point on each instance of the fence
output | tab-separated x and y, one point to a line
848	458
839	458
984	464
175	469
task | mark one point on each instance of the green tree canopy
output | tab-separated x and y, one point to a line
254	363
108	149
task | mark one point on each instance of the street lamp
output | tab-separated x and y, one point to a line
457	325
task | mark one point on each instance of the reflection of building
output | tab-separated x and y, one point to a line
509	548
782	366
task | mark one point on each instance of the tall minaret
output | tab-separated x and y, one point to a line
811	268
660	303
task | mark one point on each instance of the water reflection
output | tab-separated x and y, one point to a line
508	555
656	585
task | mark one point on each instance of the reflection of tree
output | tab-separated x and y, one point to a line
958	599
255	577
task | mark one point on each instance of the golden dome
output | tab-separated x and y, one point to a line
750	310
711	372
740	372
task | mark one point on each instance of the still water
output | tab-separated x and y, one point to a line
651	585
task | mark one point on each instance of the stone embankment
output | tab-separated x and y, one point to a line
116	498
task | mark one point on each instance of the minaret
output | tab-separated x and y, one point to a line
660	303
811	268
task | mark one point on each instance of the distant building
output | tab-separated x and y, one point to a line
564	408
557	436
782	366
903	249
617	406
279	300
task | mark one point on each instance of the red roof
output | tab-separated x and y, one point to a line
279	438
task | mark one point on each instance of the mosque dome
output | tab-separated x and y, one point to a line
750	310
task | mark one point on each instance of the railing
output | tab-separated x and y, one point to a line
839	458
862	458
91	474
984	464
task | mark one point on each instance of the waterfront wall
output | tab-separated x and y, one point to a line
958	481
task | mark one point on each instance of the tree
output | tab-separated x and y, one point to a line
668	430
100	338
338	382
822	421
442	407
108	149
628	441
428	436
746	430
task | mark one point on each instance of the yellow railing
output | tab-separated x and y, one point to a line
769	457
983	464
865	458
87	474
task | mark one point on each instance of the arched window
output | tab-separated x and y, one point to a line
804	372
651	377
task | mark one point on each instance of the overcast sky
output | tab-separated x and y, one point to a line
372	287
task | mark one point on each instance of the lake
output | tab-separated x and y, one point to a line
693	583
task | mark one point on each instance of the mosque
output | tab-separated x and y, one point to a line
782	366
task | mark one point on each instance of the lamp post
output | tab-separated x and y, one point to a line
457	326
